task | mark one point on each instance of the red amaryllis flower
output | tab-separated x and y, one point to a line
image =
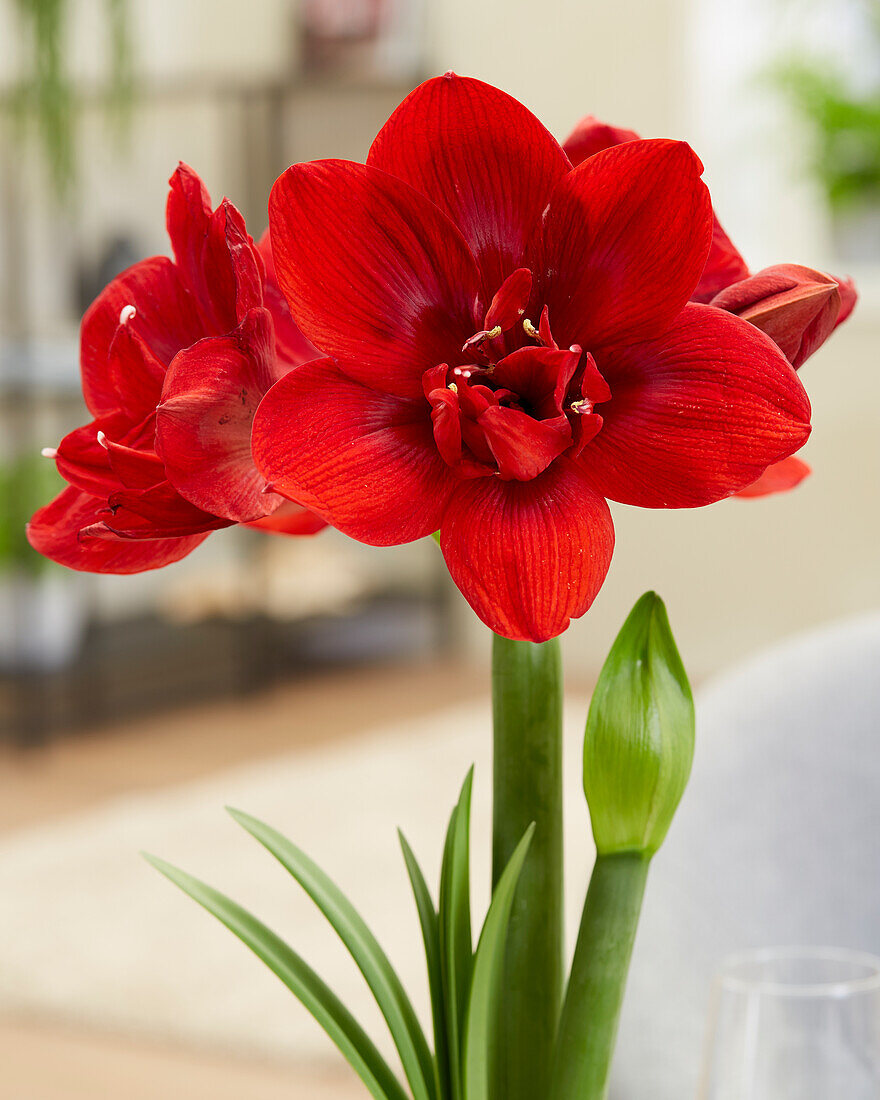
194	337
511	344
796	306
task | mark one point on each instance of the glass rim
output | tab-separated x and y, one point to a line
727	979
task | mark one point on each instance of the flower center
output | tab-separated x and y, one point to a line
518	401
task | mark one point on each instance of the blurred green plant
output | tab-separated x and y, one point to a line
45	96
843	118
25	484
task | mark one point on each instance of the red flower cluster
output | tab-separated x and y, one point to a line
175	357
512	332
511	341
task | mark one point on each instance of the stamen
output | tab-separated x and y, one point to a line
452	386
531	331
49	452
582	406
126	314
102	440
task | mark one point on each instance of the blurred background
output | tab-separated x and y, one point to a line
252	648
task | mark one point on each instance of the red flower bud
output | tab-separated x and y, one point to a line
797	307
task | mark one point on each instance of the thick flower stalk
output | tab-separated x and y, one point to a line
511	343
175	357
638	749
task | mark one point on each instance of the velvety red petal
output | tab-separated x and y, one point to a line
778	478
695	415
135	373
482	157
156	513
291	346
848	298
57	531
165	318
625	239
289	519
528	556
203	426
375	274
364	461
214	252
136	469
83	462
724	266
590	136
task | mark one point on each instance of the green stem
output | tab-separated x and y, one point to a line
588	1027
527	711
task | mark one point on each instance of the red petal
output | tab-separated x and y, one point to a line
590	136
723	267
796	306
291	346
375	275
135	373
365	461
289	519
203	426
135	469
625	240
157	513
778	478
214	252
529	556
540	376
696	414
522	446
82	461
166	319
509	304
482	158
57	532
848	298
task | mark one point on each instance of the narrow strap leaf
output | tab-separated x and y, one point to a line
300	979
456	944
431	935
485	994
386	987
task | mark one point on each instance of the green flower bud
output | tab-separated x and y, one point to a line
639	741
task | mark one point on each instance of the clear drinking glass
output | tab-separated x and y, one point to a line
794	1024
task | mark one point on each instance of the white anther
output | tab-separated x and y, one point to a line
126	314
49	452
102	440
452	386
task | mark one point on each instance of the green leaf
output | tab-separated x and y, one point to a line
415	1054
456	943
639	741
485	994
431	935
299	978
